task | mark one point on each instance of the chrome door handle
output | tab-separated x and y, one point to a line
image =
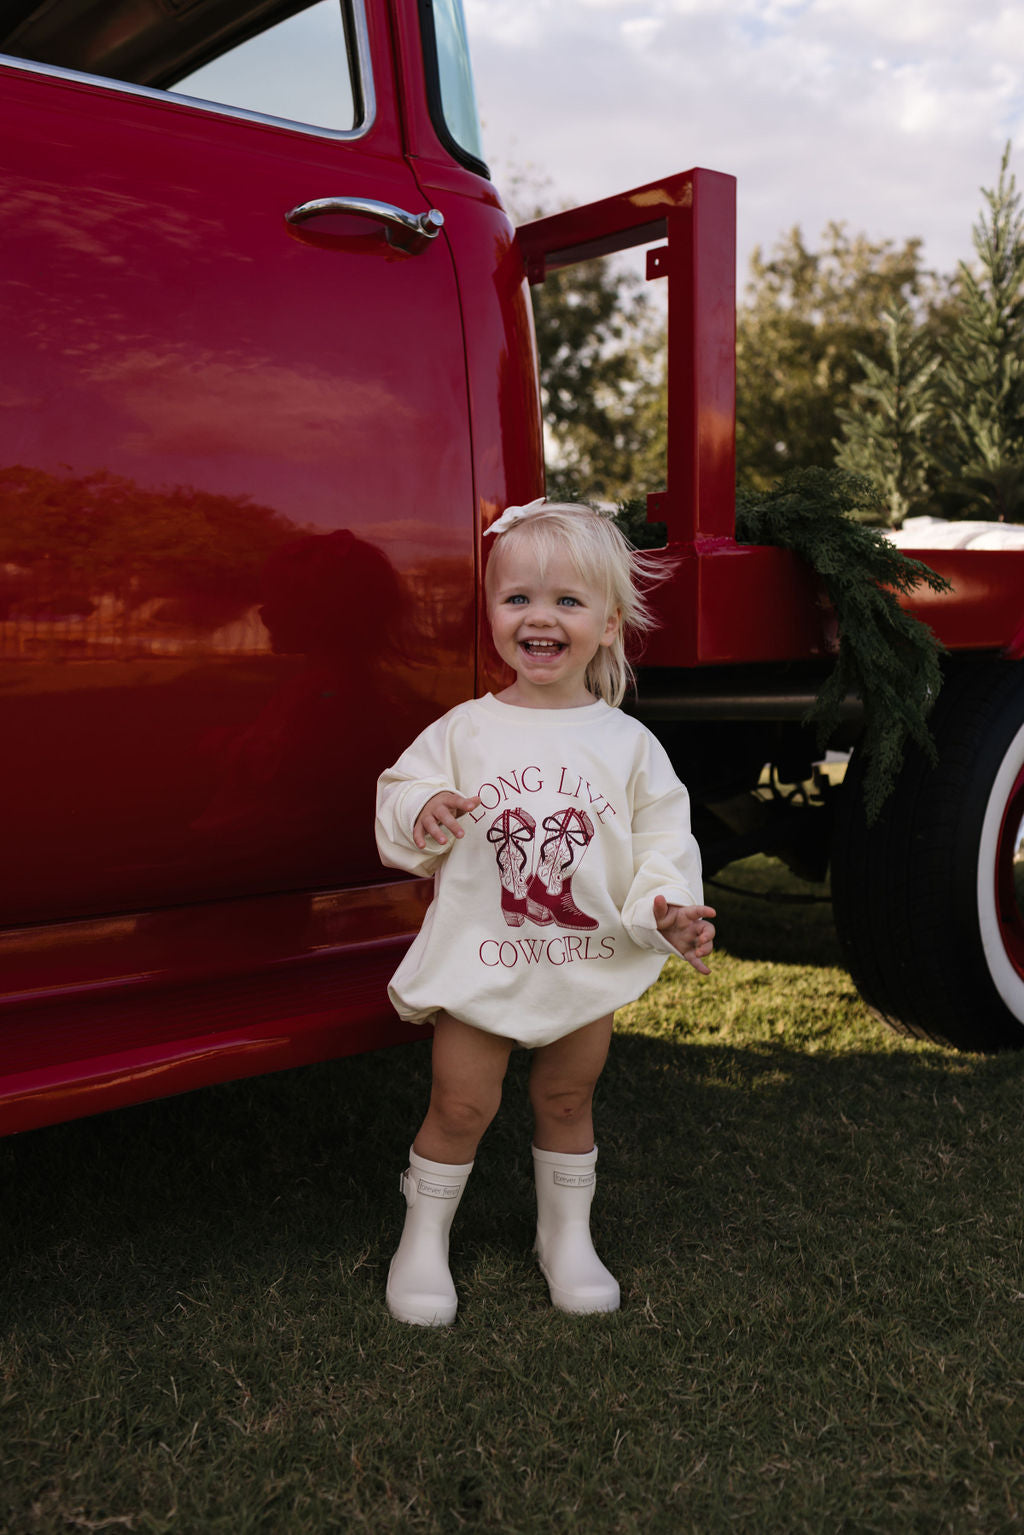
408	232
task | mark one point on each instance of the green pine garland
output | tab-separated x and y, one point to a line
886	656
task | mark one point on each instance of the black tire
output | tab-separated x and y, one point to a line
924	900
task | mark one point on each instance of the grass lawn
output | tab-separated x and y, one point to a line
817	1227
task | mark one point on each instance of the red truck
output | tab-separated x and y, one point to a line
266	380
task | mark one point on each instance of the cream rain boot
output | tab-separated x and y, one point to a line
576	1277
420	1288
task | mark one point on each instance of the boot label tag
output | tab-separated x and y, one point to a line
574	1180
438	1190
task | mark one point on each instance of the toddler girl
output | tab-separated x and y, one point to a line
564	873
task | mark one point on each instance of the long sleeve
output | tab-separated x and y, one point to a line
666	859
424	769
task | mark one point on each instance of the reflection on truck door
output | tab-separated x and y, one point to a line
219	439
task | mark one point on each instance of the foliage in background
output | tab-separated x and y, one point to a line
600	346
887	427
598	343
631	517
806	316
886	656
981	452
939	424
851	353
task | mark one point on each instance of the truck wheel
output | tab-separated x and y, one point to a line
925	902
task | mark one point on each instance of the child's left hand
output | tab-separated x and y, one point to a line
687	929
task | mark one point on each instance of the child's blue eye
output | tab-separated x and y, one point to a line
517	598
571	601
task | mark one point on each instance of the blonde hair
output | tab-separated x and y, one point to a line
606	561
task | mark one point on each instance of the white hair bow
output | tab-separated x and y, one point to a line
513	514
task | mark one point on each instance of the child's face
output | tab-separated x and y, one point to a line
548	626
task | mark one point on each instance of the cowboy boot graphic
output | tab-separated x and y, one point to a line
549	896
510	835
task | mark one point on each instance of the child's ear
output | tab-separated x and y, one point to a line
612	627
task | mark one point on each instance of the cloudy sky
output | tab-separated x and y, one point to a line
888	114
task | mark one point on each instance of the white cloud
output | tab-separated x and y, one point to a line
641	31
913	22
886	115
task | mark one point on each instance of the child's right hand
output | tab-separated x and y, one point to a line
441	810
688	931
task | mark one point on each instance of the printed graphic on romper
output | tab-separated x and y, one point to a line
537	863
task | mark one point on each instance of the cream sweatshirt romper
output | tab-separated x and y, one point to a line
542	918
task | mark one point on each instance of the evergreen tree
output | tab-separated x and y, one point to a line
806	315
886	428
983	372
595	342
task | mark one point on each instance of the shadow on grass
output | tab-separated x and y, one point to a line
303	1167
819	1256
298	1172
765	913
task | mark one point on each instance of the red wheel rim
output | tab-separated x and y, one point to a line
1008	907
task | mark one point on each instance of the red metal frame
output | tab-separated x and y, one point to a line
695	212
734	603
728	602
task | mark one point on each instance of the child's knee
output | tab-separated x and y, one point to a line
463	1115
562	1102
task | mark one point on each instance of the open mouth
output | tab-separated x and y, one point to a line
542	648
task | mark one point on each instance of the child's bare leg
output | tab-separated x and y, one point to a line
562	1084
468	1068
562	1081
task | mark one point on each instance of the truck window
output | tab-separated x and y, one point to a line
450	80
289	60
302	70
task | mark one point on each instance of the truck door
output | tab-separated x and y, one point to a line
236	502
